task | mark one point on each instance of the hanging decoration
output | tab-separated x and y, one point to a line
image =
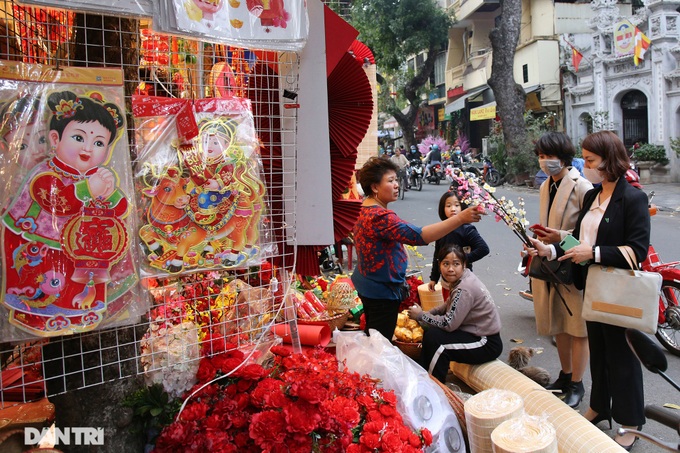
67	262
199	173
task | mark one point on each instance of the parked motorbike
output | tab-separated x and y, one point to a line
436	174
653	358
416	177
490	174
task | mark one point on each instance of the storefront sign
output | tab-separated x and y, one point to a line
441	115
483	113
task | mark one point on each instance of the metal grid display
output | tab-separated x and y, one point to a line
216	302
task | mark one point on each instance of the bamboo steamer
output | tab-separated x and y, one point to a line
525	434
430	299
485	411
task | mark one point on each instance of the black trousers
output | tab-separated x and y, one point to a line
617	375
381	315
441	347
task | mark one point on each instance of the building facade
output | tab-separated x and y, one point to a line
641	103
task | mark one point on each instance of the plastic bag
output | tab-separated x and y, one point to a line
67	262
420	400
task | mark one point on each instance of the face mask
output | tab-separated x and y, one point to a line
551	167
457	151
593	175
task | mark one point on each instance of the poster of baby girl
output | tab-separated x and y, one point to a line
66	233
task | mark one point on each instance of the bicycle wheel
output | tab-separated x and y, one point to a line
668	332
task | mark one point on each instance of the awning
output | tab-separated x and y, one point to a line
460	102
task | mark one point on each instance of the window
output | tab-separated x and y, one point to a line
440	69
525	73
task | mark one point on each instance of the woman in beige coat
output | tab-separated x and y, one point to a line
561	200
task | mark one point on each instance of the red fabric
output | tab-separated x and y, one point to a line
576	58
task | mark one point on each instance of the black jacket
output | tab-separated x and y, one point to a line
625	222
463	236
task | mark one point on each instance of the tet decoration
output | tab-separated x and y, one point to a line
67	261
260	24
472	192
199	173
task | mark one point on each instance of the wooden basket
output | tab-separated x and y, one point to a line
410	349
337	321
429	299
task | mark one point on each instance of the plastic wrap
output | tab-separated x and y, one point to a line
421	402
260	24
485	411
199	178
66	228
526	434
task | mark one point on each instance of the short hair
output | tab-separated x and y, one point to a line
373	171
556	144
452	248
442	203
610	148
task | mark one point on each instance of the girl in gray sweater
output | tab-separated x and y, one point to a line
466	328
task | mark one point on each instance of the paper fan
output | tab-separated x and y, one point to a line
308	259
350	104
345	215
361	52
342	170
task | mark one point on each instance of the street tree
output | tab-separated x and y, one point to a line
396	30
509	94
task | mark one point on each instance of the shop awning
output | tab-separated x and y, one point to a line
460	102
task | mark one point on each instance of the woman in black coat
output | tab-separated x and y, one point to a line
614	214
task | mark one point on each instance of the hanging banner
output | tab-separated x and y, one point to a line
66	229
624	38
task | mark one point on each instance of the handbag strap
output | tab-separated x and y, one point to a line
629	255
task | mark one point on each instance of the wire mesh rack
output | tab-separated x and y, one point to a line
176	313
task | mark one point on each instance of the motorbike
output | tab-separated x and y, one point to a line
490	174
652	357
436	174
416	177
668	329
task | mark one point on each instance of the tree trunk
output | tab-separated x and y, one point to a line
97	361
407	121
509	94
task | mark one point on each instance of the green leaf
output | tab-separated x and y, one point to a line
156	411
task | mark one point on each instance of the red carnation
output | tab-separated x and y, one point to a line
267	426
390	441
370	440
195	411
251	371
302	417
427	436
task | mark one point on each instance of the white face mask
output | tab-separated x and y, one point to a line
593	175
551	167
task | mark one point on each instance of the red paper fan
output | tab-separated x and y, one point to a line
361	52
342	169
308	259
345	215
350	104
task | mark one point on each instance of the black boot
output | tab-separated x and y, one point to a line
574	394
561	384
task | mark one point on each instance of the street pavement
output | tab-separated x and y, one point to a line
499	273
666	196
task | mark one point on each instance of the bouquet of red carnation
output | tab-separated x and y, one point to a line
303	403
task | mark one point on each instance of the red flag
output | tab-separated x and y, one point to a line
576	58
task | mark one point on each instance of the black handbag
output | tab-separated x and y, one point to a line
554	272
557	272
